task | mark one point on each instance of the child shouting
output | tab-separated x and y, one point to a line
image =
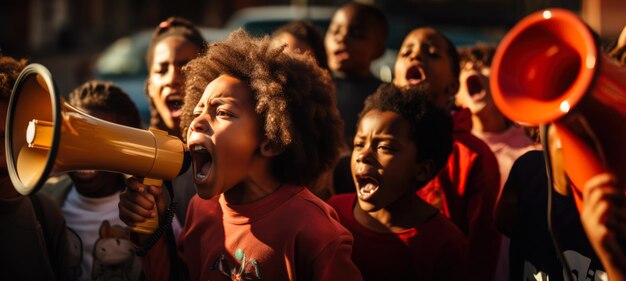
402	142
264	127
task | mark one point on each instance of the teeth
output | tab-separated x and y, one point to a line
198	148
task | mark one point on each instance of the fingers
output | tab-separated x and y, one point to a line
136	205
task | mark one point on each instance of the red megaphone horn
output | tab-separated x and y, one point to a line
549	69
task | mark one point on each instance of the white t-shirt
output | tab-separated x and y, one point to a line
85	216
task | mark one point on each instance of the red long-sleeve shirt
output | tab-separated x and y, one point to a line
465	191
287	235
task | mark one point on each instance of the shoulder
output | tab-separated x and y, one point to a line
342	203
470	145
321	218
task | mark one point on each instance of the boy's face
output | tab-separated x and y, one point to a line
352	42
384	164
224	136
165	82
423	58
474	90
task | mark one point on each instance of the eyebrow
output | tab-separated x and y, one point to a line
219	100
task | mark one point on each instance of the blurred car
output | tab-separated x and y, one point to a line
123	62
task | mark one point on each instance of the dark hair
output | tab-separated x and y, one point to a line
431	127
294	97
106	97
10	69
306	32
174	26
372	12
480	55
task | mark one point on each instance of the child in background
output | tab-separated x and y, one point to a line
402	142
507	140
355	37
89	198
33	235
175	42
264	127
302	37
467	188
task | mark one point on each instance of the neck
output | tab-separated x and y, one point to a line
407	212
259	183
489	121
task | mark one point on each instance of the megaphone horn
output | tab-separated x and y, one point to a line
549	69
44	136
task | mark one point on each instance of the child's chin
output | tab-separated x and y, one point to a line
205	192
368	206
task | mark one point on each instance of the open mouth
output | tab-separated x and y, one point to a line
341	54
174	104
202	160
367	186
475	87
415	75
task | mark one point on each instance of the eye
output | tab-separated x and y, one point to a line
196	114
405	53
223	113
385	148
359	144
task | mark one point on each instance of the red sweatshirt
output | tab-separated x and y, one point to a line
433	250
466	191
287	235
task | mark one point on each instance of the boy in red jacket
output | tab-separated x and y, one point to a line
467	188
265	126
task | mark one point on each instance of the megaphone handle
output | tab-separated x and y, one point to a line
150	225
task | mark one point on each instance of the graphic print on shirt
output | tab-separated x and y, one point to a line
579	264
114	255
246	269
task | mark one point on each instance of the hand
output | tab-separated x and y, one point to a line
136	203
604	219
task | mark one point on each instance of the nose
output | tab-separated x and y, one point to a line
364	156
199	125
175	77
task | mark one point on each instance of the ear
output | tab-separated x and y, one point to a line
424	170
269	149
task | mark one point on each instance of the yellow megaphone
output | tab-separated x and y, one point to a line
45	136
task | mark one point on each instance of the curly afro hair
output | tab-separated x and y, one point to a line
10	68
107	97
431	127
294	97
